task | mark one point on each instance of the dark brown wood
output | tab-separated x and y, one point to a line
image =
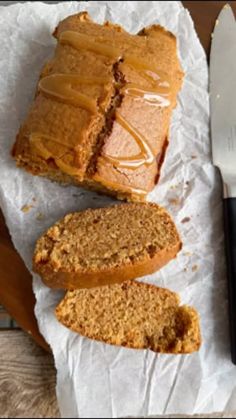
204	14
15	281
16	293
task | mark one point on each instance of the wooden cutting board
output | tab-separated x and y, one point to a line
16	293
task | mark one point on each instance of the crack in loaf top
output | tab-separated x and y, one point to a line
76	92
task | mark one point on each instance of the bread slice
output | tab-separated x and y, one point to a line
106	245
132	314
102	109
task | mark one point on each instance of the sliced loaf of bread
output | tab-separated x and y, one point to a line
106	245
134	315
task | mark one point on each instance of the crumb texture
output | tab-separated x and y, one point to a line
134	315
97	240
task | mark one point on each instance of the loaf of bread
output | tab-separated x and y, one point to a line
101	114
102	246
134	315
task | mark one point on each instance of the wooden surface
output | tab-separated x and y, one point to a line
27	378
15	281
16	293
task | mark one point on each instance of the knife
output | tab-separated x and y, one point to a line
223	138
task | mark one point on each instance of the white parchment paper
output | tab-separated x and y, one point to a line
97	380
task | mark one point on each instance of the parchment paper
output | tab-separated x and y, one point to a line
97	380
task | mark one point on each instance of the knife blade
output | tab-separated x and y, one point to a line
223	139
223	98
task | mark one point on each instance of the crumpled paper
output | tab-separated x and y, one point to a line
94	379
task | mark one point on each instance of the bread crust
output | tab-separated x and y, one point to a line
90	279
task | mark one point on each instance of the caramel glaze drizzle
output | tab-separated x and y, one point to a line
157	95
154	97
88	42
63	87
82	41
144	156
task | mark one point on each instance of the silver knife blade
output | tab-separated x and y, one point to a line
223	98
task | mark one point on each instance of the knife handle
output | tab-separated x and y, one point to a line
230	246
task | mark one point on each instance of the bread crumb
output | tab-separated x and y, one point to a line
194	268
187	254
41	256
68	217
26	208
40	216
55	260
53	233
185	220
174	201
65	248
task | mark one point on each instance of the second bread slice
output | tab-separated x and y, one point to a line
134	315
106	245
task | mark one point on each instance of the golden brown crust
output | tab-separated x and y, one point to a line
139	239
91	279
59	140
133	315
